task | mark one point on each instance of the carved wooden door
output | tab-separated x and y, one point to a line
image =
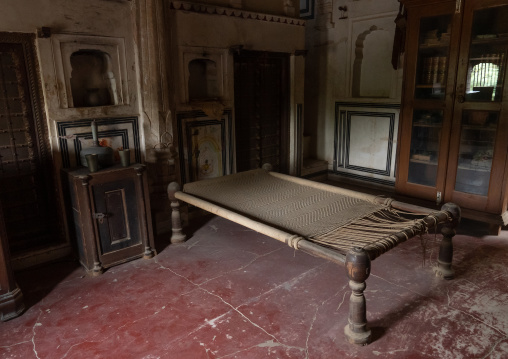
261	110
27	194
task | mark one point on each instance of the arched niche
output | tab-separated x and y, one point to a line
92	79
203	80
372	69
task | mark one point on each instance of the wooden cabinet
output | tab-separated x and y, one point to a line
110	211
454	117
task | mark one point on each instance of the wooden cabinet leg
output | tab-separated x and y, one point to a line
176	222
494	229
358	270
444	263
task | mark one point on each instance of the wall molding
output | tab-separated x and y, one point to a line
218	10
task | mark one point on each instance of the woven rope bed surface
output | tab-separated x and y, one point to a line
325	217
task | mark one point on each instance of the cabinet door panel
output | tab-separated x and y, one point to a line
478	145
476	150
433	53
484	76
429	82
116	214
425	147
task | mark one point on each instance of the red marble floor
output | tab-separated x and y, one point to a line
229	292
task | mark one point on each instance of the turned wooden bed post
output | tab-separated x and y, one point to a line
176	221
358	270
444	263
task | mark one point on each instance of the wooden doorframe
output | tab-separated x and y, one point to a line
39	132
285	100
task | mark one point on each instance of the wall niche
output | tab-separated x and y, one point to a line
203	75
203	80
371	74
91	69
372	70
92	80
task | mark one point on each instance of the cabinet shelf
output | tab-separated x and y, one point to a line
429	86
444	46
429	125
474	168
479	128
432	163
483	59
491	41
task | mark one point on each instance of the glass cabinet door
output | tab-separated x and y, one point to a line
433	52
476	151
487	55
434	38
481	152
425	143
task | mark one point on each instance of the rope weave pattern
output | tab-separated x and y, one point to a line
296	208
330	219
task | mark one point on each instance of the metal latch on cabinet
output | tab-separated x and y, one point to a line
100	217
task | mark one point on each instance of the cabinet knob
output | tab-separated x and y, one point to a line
461	98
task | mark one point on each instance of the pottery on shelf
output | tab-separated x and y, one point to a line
104	153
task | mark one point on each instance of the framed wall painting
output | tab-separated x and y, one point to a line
205	144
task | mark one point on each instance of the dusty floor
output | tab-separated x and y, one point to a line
231	293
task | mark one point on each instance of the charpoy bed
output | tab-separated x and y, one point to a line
340	225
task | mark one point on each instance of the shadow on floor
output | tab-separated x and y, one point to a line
37	282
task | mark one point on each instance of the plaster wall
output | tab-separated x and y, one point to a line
331	42
91	19
193	29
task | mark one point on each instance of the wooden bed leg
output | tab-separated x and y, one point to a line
444	263
176	222
358	270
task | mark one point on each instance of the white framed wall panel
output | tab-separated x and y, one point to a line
365	141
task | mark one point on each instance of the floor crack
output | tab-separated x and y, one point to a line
267	344
37	324
198	286
494	347
15	344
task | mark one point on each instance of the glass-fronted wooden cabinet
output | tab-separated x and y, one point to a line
453	140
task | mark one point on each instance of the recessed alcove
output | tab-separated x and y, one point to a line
91	71
372	71
92	81
203	81
203	75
